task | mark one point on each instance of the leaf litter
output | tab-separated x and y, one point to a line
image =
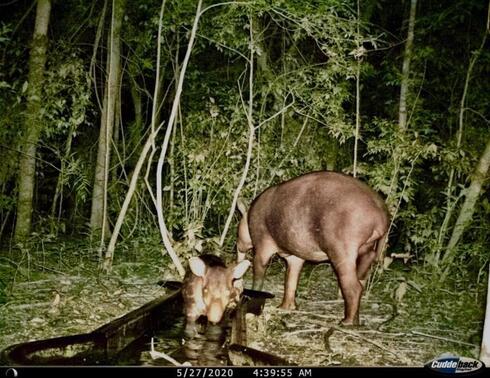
400	326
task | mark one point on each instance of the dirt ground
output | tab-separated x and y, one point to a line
311	335
417	329
66	305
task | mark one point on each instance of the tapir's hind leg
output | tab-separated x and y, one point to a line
364	262
350	286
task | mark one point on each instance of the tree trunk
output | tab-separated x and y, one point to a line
262	53
98	217
402	113
58	194
137	105
472	194
331	153
358	93
109	255
485	343
450	202
251	136
402	110
93	60
33	124
118	166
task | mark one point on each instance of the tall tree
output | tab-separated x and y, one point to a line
459	136
404	86
358	91
471	196
98	216
485	343
407	57
32	122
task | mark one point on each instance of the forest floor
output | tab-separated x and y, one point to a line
406	319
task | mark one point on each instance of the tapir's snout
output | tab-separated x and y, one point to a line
215	312
211	288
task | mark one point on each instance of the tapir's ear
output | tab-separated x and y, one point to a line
240	269
197	266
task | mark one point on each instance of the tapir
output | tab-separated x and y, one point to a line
319	216
210	288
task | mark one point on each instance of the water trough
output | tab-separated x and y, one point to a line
126	340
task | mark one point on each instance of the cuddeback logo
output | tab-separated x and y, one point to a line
454	365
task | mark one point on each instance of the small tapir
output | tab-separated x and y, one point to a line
316	217
210	287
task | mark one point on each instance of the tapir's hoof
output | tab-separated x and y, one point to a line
288	306
348	323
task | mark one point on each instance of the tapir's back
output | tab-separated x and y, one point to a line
313	212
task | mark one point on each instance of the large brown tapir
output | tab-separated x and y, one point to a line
317	217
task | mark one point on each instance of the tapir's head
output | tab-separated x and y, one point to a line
221	285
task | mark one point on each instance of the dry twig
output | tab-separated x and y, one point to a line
442	338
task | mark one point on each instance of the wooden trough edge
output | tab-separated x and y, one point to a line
100	346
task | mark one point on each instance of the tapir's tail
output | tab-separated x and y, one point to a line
244	242
241	207
380	248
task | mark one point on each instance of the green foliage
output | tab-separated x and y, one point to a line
210	143
67	92
456	306
11	117
3	296
306	61
305	65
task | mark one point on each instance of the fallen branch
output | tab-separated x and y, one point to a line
329	331
156	355
313	314
384	334
49	280
331	301
308	330
27	306
442	338
355	334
